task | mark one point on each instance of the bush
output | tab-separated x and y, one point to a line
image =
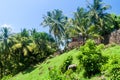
115	72
91	58
66	63
112	68
6	77
71	75
54	74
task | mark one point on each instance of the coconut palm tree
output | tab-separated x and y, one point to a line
33	31
116	21
24	33
56	21
82	22
22	50
5	50
1	60
43	42
99	17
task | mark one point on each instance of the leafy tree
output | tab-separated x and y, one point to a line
91	58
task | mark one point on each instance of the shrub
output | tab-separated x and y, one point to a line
91	58
66	63
115	72
6	77
54	74
71	75
112	68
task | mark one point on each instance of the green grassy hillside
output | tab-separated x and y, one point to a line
41	72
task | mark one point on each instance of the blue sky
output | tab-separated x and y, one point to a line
19	14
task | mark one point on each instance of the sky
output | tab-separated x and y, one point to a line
19	14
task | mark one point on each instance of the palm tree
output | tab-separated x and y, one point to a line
33	31
24	33
116	21
1	60
21	50
56	21
43	42
70	32
82	23
83	26
4	37
99	17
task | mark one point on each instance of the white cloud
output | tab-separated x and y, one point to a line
6	25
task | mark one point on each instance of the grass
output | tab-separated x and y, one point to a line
114	50
41	72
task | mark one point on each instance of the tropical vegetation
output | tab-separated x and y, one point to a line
18	51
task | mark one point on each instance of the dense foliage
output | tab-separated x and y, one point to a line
21	50
91	58
50	69
18	51
112	68
66	63
94	63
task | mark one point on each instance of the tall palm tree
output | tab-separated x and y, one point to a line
56	21
4	37
1	60
99	17
83	26
69	32
82	22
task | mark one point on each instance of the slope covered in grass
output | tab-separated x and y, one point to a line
113	50
41	72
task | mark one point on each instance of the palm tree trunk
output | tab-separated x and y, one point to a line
83	39
1	71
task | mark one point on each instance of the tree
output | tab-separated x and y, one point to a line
25	33
99	17
5	49
45	44
33	31
82	24
56	21
69	31
116	21
25	51
22	51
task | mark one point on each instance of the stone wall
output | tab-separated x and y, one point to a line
74	44
114	37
